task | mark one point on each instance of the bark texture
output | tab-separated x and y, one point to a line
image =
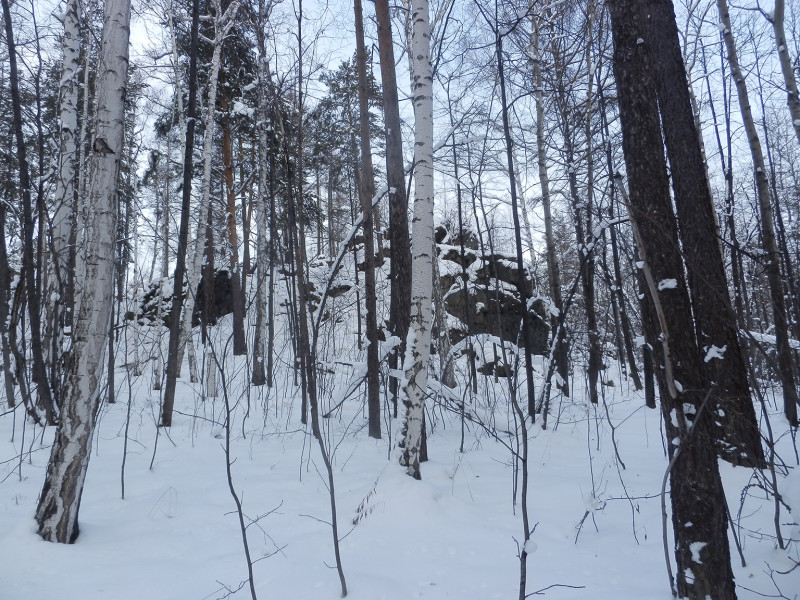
698	503
400	254
57	512
59	300
418	344
739	440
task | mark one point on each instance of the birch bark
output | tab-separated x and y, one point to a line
57	298
415	366
57	512
259	376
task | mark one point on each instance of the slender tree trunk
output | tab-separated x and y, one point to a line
589	243
162	280
297	226
33	292
701	551
366	192
400	248
222	24
264	260
418	344
462	233
772	257
273	257
5	301
237	292
57	512
173	358
59	267
522	283
557	317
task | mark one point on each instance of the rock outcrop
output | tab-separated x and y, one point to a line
491	304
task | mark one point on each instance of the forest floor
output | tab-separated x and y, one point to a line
455	534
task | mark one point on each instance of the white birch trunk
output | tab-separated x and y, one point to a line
68	114
63	216
262	223
57	513
222	25
418	343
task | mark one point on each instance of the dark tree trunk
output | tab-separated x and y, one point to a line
701	550
273	257
28	253
522	286
581	216
5	300
367	191
399	238
208	308
173	368
739	440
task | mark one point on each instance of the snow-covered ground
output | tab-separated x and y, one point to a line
455	534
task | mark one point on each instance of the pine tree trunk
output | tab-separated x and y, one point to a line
57	512
701	550
400	249
366	192
715	323
237	292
